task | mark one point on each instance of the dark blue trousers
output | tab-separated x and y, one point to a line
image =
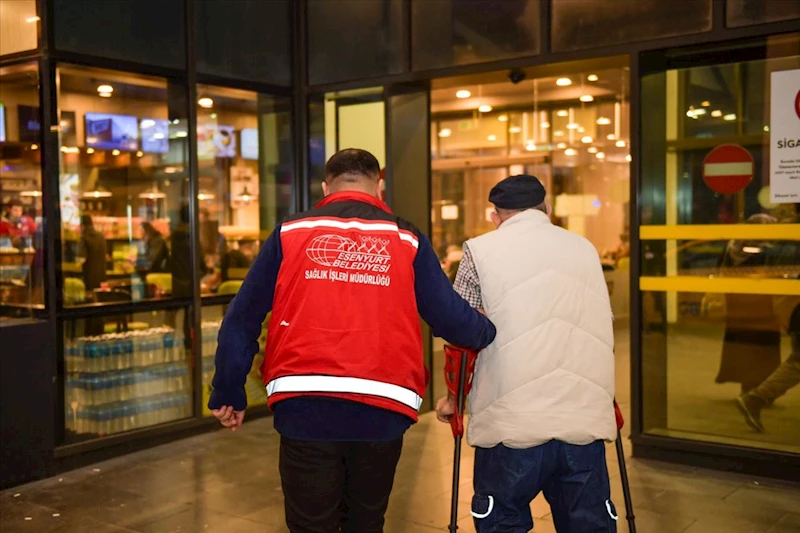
574	480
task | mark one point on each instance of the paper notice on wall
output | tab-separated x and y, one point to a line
785	137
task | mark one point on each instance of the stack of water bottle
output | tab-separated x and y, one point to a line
124	381
209	330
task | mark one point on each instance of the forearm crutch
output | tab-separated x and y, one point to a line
623	471
459	369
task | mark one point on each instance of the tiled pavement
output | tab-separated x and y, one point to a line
228	483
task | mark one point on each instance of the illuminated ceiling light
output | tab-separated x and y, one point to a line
176	121
70	149
621	144
170	170
139	153
716	113
148	123
699	112
562	113
105	88
100	192
587	98
587	139
514	129
558	133
446	132
205	102
105	95
491	138
31	20
573	126
463	93
181	134
581	129
152	194
730	117
628	158
603	121
611	136
690	113
570	152
36	146
563	82
115	152
561	146
766	128
592	150
503	118
530	146
545	125
90	150
203	196
485	108
592	77
600	155
31	194
706	104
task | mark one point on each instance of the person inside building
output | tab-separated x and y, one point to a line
238	258
93	251
17	227
541	405
346	284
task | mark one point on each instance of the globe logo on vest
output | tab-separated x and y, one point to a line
367	254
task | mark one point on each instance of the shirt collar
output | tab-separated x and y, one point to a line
531	215
354	196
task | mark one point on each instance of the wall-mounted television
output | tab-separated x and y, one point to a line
155	135
112	132
249	149
29	124
216	141
2	123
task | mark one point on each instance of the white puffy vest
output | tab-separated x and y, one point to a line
549	374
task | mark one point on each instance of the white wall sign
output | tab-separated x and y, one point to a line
784	147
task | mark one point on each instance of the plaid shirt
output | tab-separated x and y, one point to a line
467	284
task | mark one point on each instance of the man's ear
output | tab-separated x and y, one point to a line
325	189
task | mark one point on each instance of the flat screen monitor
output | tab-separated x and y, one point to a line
249	148
216	141
29	125
155	135
112	132
2	123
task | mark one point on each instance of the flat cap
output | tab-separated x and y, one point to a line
518	192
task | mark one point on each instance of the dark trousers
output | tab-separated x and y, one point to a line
574	480
332	487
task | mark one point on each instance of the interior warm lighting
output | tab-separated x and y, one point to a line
570	152
31	194
148	123
203	196
600	155
205	102
751	249
562	113
592	150
246	196
492	138
90	150
706	104
158	136
581	129
105	90
716	113
181	134
699	112
485	108
545	125
514	129
587	98
503	118
463	93
587	139
730	117
561	146
592	77
152	194
139	153
766	128
573	126
170	170
115	152
611	136
31	20
563	82
621	144
558	133
70	149
105	95
446	132
530	146
36	146
97	193
628	158
603	121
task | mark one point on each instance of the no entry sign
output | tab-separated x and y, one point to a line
728	168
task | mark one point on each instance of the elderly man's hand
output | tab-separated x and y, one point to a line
228	417
445	408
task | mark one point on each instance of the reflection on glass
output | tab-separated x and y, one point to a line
721	272
550	128
245	155
457	33
19	26
125	372
254	386
21	222
749	12
123	188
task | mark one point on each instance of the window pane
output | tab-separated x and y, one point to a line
226	28
748	12
245	154
367	32
21	222
19	26
446	33
144	31
123	187
126	372
721	266
579	24
254	386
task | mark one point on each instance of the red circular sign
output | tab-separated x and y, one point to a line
797	104
728	168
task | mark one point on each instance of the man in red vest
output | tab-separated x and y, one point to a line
346	284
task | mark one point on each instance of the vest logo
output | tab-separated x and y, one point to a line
369	254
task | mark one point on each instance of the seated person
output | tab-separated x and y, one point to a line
241	257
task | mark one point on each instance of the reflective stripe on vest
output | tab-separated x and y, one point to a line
291	384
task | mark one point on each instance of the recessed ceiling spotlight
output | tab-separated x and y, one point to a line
463	93
570	152
503	118
603	121
573	126
592	150
587	139
491	138
592	77
563	82
621	144
485	108
205	102
545	125
587	98
600	155
716	113
514	129
446	132
561	146
562	113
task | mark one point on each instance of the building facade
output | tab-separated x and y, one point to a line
146	148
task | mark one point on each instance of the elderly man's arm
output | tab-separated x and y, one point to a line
467	283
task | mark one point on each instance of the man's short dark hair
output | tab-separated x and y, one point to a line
352	165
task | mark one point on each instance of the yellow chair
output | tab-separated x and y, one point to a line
230	286
161	280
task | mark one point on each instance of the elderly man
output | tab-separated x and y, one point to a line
541	404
